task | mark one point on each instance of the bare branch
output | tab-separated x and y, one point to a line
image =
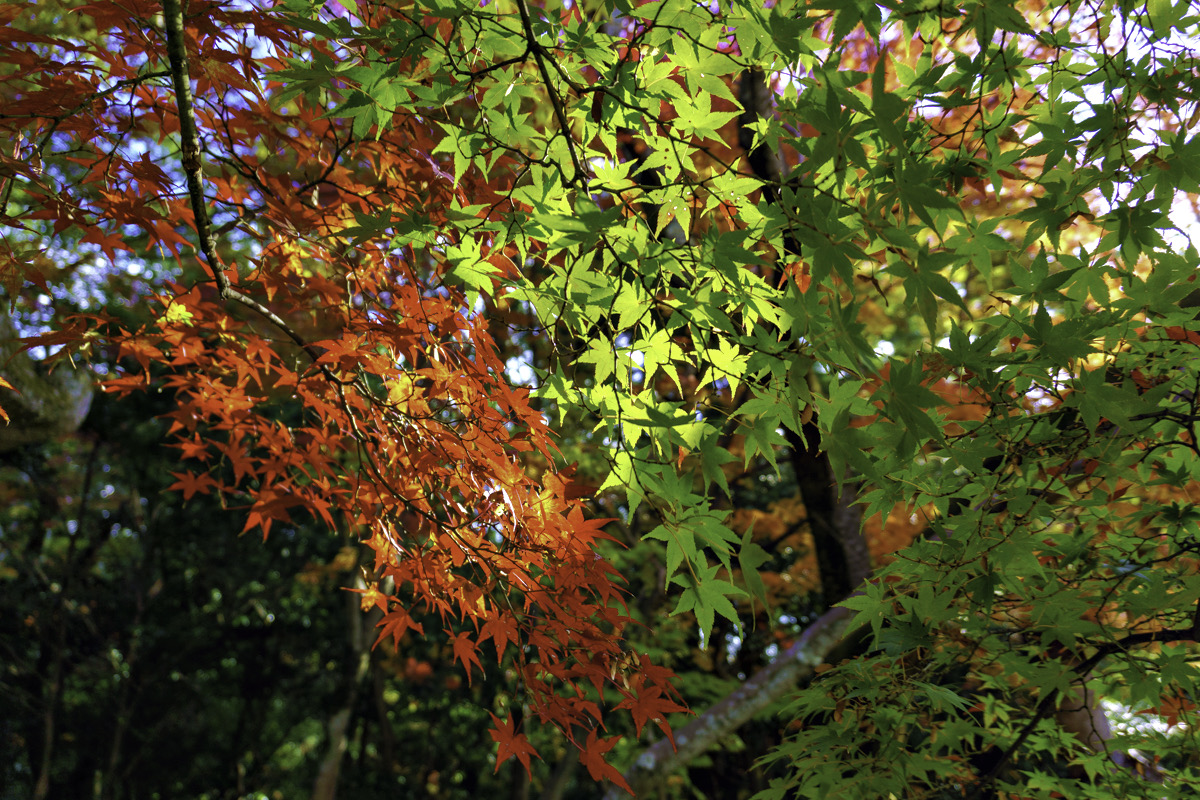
796	664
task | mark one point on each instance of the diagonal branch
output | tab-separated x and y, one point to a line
193	167
991	762
796	664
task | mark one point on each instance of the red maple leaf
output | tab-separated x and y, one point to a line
465	651
592	757
192	483
511	743
394	624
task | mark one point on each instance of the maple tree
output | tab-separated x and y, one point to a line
165	654
918	258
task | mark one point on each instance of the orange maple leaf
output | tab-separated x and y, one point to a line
511	743
371	596
1173	709
465	651
4	384
192	483
394	624
501	630
592	757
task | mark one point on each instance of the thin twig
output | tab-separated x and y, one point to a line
997	759
555	100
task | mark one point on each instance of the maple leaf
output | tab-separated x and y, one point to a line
371	596
465	650
1172	709
510	743
651	705
501	630
394	624
4	384
191	483
109	242
591	755
195	448
268	507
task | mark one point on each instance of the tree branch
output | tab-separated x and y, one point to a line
796	664
555	100
991	762
193	167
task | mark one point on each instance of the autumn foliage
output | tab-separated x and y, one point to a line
356	387
859	343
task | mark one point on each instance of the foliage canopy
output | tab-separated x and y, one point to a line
488	285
